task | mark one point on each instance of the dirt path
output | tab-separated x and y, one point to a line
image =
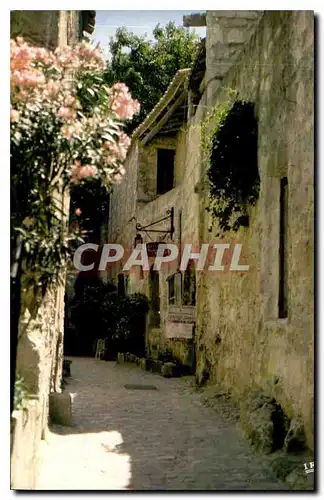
162	439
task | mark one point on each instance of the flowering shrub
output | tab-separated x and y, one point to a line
66	126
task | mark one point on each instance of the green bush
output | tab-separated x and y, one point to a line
98	312
130	328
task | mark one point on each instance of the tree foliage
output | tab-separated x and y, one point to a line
147	67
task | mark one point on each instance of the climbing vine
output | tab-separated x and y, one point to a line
229	144
21	394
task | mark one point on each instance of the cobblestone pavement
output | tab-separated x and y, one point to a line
131	439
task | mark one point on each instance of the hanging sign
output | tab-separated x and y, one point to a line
178	330
152	248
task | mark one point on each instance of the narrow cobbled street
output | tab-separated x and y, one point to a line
153	435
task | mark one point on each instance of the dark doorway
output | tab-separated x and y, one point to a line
154	283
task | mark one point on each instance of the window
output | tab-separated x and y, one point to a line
283	250
165	170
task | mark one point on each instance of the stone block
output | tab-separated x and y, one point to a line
120	358
60	408
156	366
263	422
238	22
260	430
235	35
169	370
143	363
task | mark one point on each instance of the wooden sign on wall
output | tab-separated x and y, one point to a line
179	330
182	314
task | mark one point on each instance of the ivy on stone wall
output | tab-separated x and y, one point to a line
21	395
229	141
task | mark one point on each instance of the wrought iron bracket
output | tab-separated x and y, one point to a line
146	229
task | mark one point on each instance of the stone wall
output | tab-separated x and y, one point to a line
240	339
123	198
49	28
26	436
40	344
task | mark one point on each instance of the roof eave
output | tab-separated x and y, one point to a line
178	80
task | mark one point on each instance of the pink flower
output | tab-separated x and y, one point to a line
69	101
123	105
124	139
70	131
77	212
27	78
82	171
111	160
66	113
116	178
52	88
14	115
88	171
117	149
44	56
125	108
120	88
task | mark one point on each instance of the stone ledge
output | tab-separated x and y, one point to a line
234	14
194	20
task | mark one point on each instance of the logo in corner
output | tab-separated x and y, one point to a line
309	467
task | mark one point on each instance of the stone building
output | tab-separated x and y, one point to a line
252	329
148	207
40	345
